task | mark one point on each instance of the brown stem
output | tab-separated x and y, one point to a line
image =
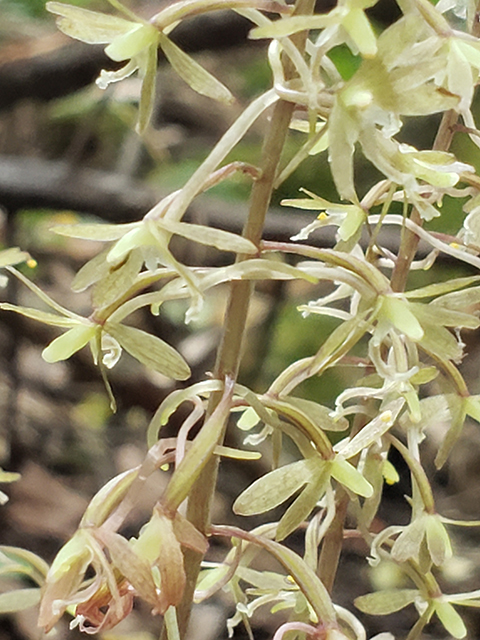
333	542
230	350
410	240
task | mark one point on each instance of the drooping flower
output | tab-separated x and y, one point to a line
425	528
149	567
391	600
135	42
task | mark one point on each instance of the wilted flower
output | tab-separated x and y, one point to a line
101	601
149	567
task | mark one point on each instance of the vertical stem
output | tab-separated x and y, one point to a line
410	240
230	350
333	542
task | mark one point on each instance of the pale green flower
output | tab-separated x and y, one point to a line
348	18
348	217
136	42
426	528
391	600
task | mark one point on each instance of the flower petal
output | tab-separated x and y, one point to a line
128	45
194	75
69	343
88	26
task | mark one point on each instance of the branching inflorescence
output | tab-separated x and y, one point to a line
407	338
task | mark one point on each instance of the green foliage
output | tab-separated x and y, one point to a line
352	88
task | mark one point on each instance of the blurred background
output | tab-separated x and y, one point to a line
68	152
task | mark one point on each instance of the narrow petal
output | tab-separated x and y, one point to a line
88	26
126	46
69	343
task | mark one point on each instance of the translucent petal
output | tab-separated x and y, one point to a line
128	45
272	489
194	74
150	350
69	343
385	602
450	619
350	477
107	77
88	26
407	545
438	541
358	27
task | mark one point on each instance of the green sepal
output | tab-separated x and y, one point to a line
105	501
218	238
150	350
70	342
52	319
450	619
198	78
147	93
275	487
199	453
443	289
350	477
382	603
12	256
400	315
99	232
88	26
302	507
17	561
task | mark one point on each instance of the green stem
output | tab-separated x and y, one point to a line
230	350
